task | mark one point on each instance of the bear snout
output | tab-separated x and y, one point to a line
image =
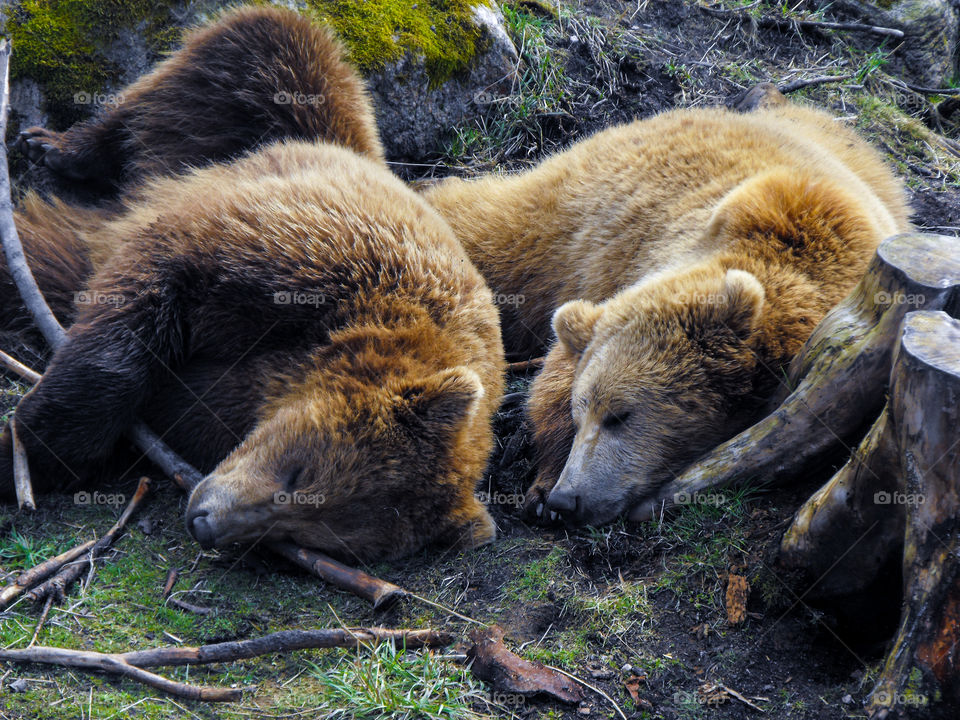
199	525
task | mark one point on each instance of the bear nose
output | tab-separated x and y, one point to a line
198	523
562	502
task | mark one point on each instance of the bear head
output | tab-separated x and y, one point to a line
360	467
665	371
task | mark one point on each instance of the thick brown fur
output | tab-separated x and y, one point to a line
258	75
296	323
695	252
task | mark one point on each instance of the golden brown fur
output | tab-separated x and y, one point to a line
296	323
714	242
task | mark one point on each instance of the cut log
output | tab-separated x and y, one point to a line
923	665
840	375
852	526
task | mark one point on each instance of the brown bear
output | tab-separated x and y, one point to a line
687	257
295	322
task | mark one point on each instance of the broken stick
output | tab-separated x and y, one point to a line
131	664
41	572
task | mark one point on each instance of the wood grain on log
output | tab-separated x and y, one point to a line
924	662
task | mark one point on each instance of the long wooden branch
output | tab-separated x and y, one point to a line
131	664
790	23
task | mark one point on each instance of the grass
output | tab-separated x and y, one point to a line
387	682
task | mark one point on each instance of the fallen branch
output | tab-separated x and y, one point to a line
790	24
525	365
21	471
18	368
56	587
41	572
810	82
380	593
131	664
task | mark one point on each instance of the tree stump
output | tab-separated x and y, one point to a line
840	375
923	665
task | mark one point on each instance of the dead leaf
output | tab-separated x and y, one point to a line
737	591
632	684
508	672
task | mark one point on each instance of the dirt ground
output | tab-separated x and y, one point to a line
637	611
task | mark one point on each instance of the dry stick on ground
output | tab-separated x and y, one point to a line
789	24
185	475
130	664
840	374
21	471
17	367
41	572
925	411
524	365
810	82
57	586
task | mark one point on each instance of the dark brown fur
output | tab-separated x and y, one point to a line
215	99
375	394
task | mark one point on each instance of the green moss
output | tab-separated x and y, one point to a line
377	32
62	44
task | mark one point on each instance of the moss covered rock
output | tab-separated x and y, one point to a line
427	60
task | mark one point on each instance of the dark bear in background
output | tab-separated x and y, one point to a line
295	322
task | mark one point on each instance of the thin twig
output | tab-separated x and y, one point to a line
788	23
171	581
21	470
597	690
524	365
57	586
189	607
809	82
43	618
38	573
18	368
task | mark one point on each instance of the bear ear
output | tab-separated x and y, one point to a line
445	398
573	322
744	298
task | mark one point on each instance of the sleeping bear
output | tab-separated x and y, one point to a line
280	309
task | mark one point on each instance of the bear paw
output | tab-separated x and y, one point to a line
43	147
534	507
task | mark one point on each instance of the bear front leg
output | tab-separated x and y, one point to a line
553	430
89	151
92	390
